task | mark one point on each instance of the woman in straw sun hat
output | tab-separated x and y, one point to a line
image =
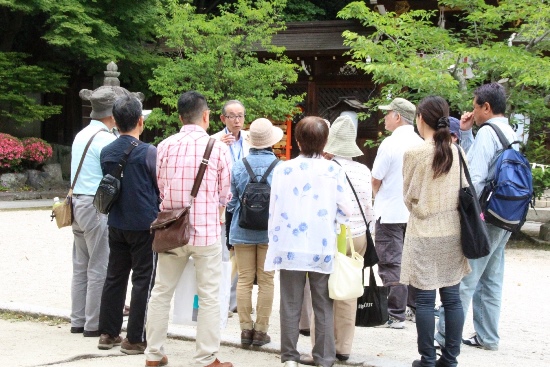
251	245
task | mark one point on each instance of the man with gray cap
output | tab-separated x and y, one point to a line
391	213
90	247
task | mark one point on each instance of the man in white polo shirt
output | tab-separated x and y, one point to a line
391	213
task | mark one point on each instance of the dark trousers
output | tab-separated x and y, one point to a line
425	324
389	248
129	251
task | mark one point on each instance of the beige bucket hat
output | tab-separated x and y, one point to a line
262	134
341	138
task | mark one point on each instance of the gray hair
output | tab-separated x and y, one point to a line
403	118
233	101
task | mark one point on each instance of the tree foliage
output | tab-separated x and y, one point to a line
65	39
217	56
411	56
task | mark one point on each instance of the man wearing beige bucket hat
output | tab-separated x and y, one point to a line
251	244
391	213
341	148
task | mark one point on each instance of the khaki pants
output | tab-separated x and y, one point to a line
345	311
250	264
208	272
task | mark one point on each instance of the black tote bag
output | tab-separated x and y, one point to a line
473	230
372	306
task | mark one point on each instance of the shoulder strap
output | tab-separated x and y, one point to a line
356	197
463	166
202	168
500	134
268	171
249	170
82	159
117	172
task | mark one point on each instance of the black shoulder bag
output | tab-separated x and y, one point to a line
109	187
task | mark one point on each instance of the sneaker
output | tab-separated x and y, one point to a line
260	338
132	348
307	360
473	341
77	330
108	342
393	323
410	314
247	336
417	363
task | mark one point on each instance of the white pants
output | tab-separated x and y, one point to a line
208	272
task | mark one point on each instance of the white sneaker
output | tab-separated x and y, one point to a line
393	323
291	364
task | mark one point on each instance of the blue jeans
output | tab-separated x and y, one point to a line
425	323
483	287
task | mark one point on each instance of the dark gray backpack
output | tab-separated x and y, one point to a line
254	211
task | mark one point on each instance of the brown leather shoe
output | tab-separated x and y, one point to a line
247	337
108	342
132	348
260	338
217	363
162	362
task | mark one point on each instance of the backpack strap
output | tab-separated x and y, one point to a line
249	170
117	171
268	171
265	175
501	137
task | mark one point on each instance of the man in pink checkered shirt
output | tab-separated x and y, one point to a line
178	160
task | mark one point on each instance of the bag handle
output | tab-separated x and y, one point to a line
82	160
466	172
117	171
348	239
202	168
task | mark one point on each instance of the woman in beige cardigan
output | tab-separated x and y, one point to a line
432	253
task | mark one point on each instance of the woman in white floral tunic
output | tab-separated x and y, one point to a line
309	198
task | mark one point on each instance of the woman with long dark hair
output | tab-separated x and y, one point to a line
432	253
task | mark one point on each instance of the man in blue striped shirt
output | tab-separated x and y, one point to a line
483	286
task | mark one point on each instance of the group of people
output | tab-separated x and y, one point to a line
414	181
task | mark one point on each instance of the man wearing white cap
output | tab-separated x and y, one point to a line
391	213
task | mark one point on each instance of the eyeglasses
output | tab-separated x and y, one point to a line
233	118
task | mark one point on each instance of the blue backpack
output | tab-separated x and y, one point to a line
506	199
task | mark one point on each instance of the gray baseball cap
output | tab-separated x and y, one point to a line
403	107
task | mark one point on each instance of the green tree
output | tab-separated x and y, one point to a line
52	42
217	56
410	56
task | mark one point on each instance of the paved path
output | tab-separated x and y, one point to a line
35	275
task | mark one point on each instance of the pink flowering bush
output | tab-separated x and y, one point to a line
11	151
35	151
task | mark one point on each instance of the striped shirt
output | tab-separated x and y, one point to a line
484	151
178	160
360	178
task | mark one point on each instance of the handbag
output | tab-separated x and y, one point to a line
346	280
372	306
63	212
473	230
109	186
371	257
172	226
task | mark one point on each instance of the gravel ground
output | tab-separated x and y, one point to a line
35	275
